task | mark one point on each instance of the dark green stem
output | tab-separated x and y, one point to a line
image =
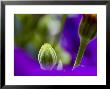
58	35
63	21
83	44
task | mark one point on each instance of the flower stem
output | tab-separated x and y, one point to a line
83	44
58	35
63	21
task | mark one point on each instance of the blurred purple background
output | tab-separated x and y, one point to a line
26	65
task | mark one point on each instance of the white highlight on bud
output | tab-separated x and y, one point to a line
60	65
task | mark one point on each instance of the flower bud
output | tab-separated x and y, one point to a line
47	57
88	26
87	31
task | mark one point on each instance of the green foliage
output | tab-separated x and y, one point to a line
33	30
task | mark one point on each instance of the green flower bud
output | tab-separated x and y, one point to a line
47	57
88	26
87	31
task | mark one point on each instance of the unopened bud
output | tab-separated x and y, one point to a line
87	31
47	57
88	26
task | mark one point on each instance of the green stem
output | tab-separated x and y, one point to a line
58	35
83	44
63	21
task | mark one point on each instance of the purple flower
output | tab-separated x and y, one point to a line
25	65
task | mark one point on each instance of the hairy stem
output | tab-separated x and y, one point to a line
83	44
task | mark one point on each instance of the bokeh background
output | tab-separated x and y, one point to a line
31	31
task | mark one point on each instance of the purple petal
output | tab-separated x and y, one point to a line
23	63
69	38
